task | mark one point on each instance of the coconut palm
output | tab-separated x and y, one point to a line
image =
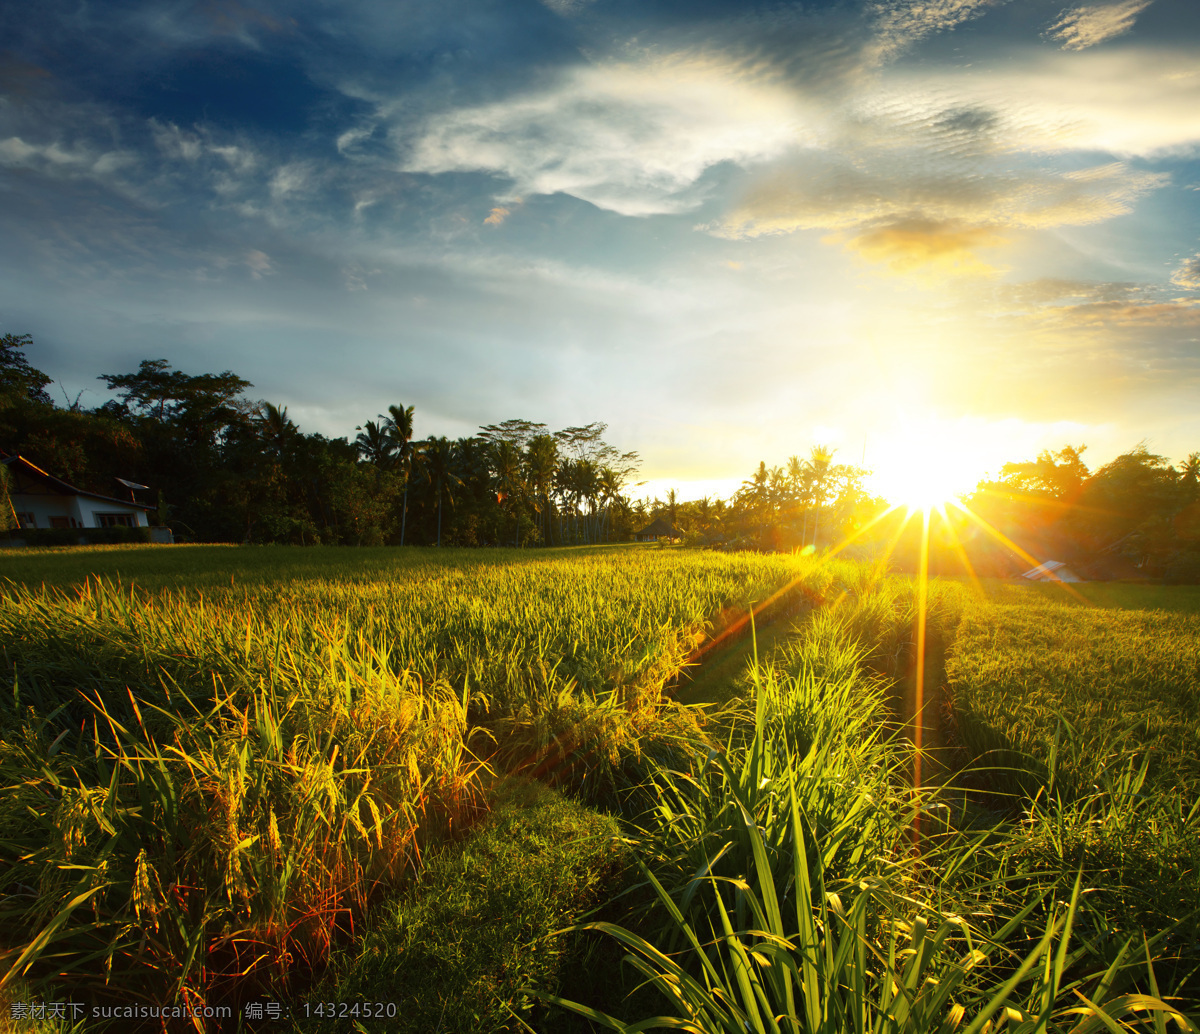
541	459
508	479
610	493
399	427
819	462
375	446
439	455
274	428
566	485
1189	478
587	484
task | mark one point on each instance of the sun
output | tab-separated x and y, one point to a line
926	488
925	464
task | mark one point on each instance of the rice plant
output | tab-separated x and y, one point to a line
203	792
792	894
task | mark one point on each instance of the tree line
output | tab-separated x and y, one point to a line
1138	514
224	468
806	504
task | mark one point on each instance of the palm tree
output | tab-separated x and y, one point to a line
439	455
776	493
566	484
610	492
1189	478
375	446
274	428
754	491
398	425
818	464
541	458
587	484
507	479
796	481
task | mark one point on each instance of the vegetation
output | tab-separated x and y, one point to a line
326	782
1086	720
1137	516
206	791
224	468
801	886
469	944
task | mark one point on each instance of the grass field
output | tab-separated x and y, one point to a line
1085	705
241	768
1122	679
320	774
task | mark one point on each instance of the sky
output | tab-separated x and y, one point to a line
916	231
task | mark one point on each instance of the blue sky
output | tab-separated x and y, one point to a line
959	229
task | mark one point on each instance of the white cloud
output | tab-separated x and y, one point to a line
1082	27
259	264
568	8
58	159
632	137
839	193
292	178
1136	101
14	151
899	23
1188	274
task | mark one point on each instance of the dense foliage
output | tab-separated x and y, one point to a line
227	778
223	468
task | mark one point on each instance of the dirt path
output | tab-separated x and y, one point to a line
714	676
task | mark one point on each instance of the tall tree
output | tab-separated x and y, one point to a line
399	426
276	431
20	382
375	445
820	459
157	390
439	456
541	457
509	481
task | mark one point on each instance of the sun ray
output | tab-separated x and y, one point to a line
1000	537
958	548
864	529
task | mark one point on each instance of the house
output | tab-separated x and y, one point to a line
657	529
41	500
1051	571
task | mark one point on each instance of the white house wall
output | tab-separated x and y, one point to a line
90	507
43	507
80	508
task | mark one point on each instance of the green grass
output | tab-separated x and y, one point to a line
204	790
801	888
262	767
465	946
1122	680
1085	716
1113	595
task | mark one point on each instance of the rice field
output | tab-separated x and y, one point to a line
314	775
206	788
1081	711
801	885
1114	681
